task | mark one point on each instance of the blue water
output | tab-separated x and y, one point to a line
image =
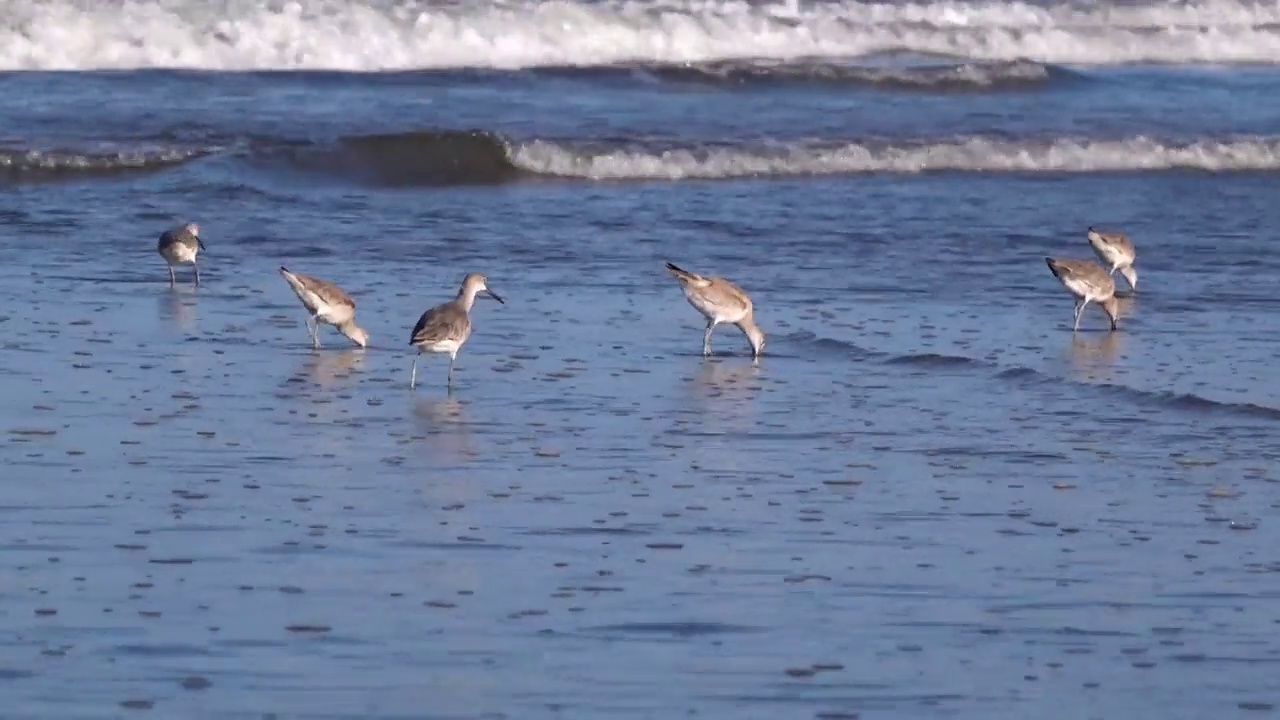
928	499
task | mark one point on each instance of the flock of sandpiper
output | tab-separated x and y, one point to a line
446	327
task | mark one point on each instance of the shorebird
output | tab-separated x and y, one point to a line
327	303
1088	282
1115	249
444	328
720	301
179	245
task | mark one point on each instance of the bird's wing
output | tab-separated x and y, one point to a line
439	323
180	235
727	295
1082	271
326	291
1064	268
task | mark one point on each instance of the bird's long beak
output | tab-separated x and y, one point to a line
200	243
494	295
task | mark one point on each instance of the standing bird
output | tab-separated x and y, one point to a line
1115	249
327	303
179	245
1087	282
720	301
444	328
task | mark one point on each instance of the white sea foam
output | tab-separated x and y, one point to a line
962	155
367	35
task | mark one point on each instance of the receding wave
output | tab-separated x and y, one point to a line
935	361
45	165
1159	398
375	35
443	157
831	346
955	77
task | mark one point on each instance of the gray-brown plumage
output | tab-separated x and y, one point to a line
1117	252
180	245
327	303
719	301
1088	283
446	327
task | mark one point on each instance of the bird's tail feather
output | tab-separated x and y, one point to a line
1055	267
292	279
681	273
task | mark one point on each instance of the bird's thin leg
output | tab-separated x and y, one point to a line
706	338
315	332
413	375
197	267
1079	314
451	357
172	280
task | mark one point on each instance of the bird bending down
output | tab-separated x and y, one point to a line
327	303
1088	283
720	301
445	328
178	246
1115	249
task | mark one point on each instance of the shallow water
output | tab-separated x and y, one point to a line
928	499
932	486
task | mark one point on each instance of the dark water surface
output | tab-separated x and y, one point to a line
929	499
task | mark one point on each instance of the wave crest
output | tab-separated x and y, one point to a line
976	154
439	157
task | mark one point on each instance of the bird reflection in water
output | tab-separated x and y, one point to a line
726	390
445	428
331	368
178	306
727	379
1094	358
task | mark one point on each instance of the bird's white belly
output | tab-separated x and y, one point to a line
443	346
178	253
326	314
1083	290
1113	256
333	314
712	311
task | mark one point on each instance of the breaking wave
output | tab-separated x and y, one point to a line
373	35
430	158
973	154
444	157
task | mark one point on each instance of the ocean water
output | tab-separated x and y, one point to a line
928	499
